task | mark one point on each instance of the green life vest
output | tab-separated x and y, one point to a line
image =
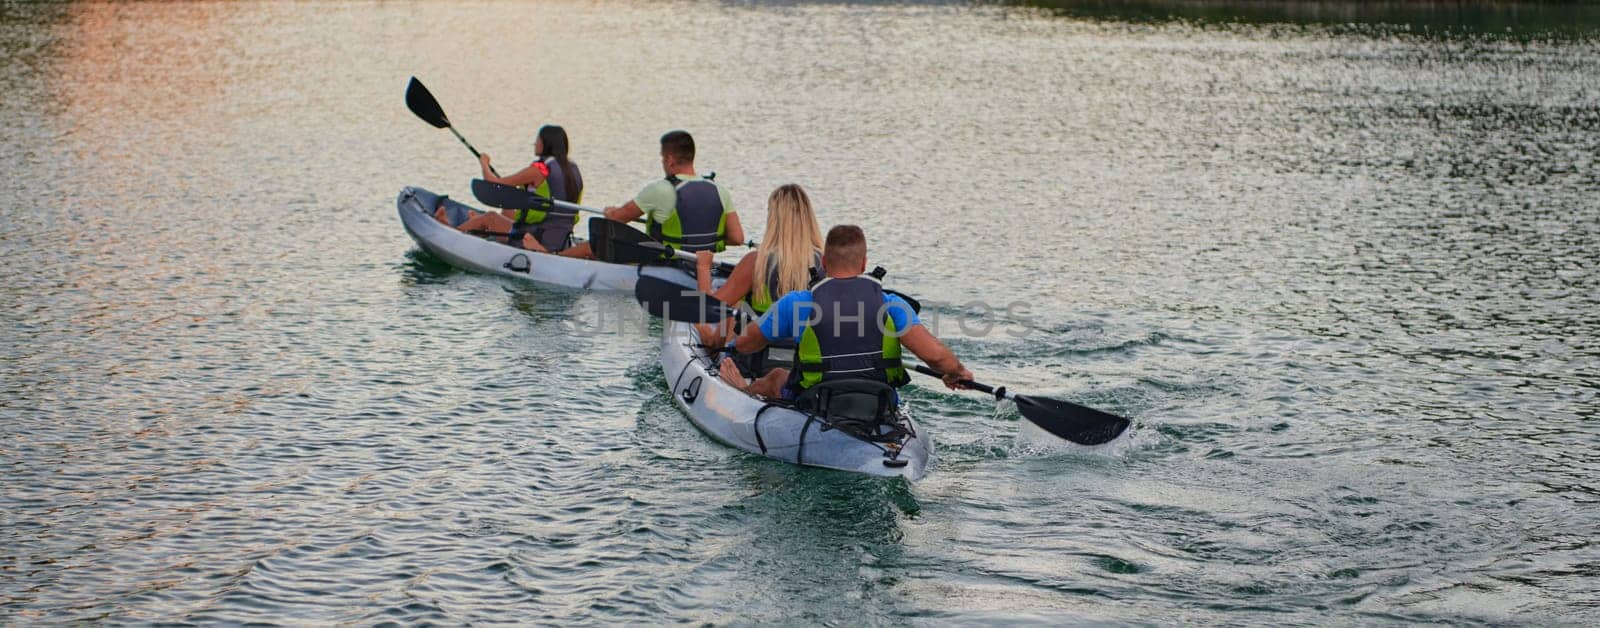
698	221
845	342
530	215
552	227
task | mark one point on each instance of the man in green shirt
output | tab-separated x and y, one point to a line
684	210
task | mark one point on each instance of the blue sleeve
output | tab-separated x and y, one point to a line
782	320
900	312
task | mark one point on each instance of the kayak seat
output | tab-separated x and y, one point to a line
859	406
455	212
778	355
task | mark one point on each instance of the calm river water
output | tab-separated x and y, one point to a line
1343	278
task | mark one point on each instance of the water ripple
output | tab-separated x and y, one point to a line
1342	279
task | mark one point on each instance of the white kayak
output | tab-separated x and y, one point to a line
780	431
470	252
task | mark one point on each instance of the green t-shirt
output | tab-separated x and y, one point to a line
658	197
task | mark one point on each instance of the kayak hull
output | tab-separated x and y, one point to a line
739	420
470	252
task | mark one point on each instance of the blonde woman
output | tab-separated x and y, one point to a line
789	256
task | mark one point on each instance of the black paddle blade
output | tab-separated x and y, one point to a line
421	102
1080	424
674	302
617	243
600	239
508	197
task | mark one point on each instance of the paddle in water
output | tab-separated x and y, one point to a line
421	102
1080	424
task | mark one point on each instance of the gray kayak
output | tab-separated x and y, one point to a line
778	431
470	252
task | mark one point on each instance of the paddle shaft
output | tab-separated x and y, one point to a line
423	105
467	144
999	393
574	207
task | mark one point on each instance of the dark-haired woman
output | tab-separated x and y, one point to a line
553	176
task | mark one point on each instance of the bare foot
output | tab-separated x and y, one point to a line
731	374
531	244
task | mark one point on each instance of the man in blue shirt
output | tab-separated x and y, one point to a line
844	327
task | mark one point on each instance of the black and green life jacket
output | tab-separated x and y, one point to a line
853	336
698	221
551	226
